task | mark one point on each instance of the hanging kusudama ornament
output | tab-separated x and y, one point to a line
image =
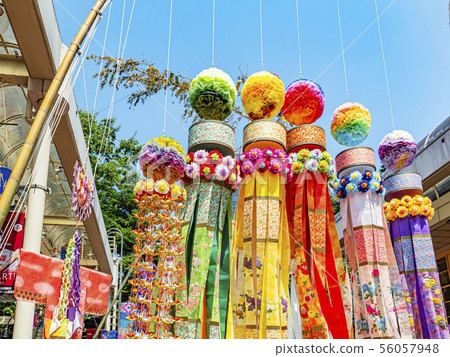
162	157
82	193
304	102
212	94
351	124
397	150
262	95
158	250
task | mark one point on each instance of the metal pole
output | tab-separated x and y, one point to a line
120	275
102	322
119	232
30	142
32	240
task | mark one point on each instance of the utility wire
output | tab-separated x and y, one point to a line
261	31
384	64
167	68
213	29
342	50
298	40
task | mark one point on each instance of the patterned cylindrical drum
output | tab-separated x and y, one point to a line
264	133
211	135
360	158
402	184
305	137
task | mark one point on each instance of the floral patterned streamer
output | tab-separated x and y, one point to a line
260	256
318	269
379	308
414	253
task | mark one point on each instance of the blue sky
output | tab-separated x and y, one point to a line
415	37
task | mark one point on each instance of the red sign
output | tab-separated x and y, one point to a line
14	235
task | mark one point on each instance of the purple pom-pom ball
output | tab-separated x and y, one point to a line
397	150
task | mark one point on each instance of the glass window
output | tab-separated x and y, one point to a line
446	294
444	278
441	264
447	307
431	194
444	186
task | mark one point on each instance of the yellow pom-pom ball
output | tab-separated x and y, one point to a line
262	95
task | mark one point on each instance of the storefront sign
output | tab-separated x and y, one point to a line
14	241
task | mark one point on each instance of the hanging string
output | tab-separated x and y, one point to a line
384	64
92	115
261	30
120	54
342	50
213	26
298	40
167	68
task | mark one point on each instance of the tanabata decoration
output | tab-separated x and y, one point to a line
158	251
259	277
82	193
304	102
397	150
66	319
262	95
210	178
317	266
408	213
212	94
379	307
350	124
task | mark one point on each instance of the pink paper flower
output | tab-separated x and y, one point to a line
201	157
247	168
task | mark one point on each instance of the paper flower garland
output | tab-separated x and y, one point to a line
313	161
212	165
212	94
276	161
262	95
350	124
304	102
82	193
397	150
162	157
413	206
357	182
